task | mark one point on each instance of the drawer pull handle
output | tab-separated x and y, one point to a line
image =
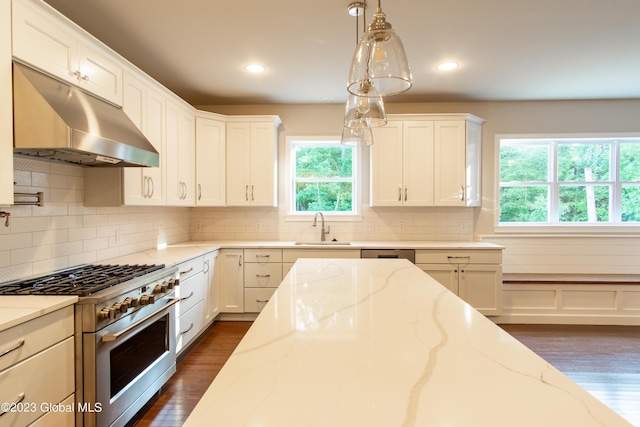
263	275
11	405
187	297
468	257
262	300
188	329
263	256
19	344
187	271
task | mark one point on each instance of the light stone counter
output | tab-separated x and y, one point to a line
18	309
380	343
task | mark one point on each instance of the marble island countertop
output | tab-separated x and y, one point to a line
380	343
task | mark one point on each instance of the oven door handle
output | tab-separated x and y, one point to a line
113	337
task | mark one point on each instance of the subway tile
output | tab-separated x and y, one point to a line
36	253
49	237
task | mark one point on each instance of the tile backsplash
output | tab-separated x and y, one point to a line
64	233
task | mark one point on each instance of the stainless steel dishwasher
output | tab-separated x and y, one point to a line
409	254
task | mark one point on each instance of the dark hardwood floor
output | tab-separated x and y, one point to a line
605	360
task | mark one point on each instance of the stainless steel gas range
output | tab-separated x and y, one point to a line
124	333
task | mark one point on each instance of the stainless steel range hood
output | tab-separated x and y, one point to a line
57	121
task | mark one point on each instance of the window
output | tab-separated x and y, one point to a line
323	176
569	181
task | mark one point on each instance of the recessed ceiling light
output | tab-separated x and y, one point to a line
254	68
447	66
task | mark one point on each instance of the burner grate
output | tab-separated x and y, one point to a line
82	281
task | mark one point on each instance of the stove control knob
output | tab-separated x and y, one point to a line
112	312
144	299
134	302
164	286
117	308
157	289
125	305
171	283
103	314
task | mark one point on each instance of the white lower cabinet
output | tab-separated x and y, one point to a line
189	310
36	367
211	288
475	276
230	262
262	276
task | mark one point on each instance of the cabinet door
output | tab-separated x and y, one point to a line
6	107
386	165
180	149
450	163
100	75
43	44
232	283
417	163
445	274
154	130
238	163
212	292
210	162
481	286
263	185
473	192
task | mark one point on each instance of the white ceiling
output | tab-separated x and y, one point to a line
507	49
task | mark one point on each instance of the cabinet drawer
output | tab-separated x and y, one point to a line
58	418
458	257
46	377
189	325
37	334
263	255
191	267
190	292
256	298
262	275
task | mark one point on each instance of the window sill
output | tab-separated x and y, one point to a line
583	230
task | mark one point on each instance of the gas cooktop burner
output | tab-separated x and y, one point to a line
82	281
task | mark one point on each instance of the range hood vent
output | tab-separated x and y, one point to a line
57	121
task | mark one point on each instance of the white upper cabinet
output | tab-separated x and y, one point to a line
457	163
48	41
399	154
252	157
426	160
180	154
6	108
210	160
146	108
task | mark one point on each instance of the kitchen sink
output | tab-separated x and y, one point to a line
330	243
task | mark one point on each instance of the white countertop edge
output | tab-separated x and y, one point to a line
18	309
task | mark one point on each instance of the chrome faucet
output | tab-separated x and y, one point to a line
323	232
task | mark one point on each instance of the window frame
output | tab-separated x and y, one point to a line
567	228
292	215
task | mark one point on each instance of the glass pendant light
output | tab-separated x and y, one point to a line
370	107
359	135
380	59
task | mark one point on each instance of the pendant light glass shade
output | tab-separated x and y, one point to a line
380	58
365	107
360	135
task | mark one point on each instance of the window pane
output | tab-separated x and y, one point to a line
314	162
524	163
629	162
524	204
584	203
324	196
583	162
630	203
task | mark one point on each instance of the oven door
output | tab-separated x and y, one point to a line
130	363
